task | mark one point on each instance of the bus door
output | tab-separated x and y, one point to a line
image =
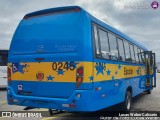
150	69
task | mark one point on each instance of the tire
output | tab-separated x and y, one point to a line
50	111
148	91
127	102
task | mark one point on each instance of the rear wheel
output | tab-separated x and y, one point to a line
128	101
52	112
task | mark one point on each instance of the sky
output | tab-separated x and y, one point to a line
135	18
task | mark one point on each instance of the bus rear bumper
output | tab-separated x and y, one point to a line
80	100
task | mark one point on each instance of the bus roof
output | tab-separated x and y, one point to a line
92	18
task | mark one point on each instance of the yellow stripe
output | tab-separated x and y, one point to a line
31	69
60	115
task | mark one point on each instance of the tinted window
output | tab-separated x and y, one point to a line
121	50
3	58
143	59
104	44
140	55
132	53
113	46
97	50
127	51
136	54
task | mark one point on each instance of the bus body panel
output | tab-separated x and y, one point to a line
57	89
53	83
45	56
90	100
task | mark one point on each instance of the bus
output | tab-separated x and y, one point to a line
3	68
66	59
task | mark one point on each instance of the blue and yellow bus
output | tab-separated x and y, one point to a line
66	59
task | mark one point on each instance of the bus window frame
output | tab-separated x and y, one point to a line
123	48
129	51
117	36
139	50
137	61
94	42
100	28
116	43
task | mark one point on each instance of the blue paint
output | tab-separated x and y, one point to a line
119	67
60	72
64	38
91	78
50	78
75	65
138	71
108	72
94	100
16	67
99	68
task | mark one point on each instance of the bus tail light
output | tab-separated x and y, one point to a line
79	77
9	75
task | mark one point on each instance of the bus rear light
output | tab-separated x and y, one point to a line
9	74
79	78
80	71
72	105
9	71
79	82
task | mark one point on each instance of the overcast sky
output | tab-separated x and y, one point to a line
128	16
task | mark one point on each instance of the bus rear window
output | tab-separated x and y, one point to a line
3	58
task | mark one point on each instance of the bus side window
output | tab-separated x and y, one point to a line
136	54
96	42
127	51
143	59
121	56
104	44
132	53
113	46
140	55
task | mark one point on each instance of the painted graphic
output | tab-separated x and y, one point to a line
100	67
40	76
17	67
64	66
66	71
91	78
50	78
20	87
